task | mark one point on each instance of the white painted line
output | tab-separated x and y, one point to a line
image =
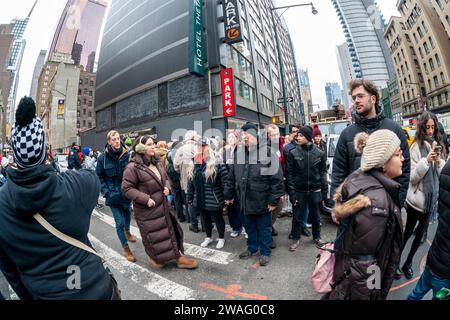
12	294
152	282
211	255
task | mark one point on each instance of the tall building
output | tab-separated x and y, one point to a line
333	93
143	79
78	31
6	41
37	72
346	70
419	45
15	61
86	98
395	100
305	91
363	27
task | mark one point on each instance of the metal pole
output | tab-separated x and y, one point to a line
280	62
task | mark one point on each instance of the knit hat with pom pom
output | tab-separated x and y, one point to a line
27	136
376	149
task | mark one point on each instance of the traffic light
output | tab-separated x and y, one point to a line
278	120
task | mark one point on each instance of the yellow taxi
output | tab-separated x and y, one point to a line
410	132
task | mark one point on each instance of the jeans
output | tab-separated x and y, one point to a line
235	217
217	217
307	201
259	230
122	217
193	213
426	283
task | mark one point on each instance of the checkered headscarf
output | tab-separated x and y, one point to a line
28	144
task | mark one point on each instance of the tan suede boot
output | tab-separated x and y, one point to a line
127	253
130	237
184	262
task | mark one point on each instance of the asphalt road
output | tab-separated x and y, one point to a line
221	274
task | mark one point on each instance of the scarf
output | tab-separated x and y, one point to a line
370	125
199	184
430	182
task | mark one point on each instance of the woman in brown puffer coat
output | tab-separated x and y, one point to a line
365	265
145	183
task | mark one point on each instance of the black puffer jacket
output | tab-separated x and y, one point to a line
255	180
373	237
347	160
439	254
35	262
213	189
306	171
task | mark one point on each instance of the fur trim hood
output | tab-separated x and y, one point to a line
351	206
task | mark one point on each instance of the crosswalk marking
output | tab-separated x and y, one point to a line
211	255
153	282
12	294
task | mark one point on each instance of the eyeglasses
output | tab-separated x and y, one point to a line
359	96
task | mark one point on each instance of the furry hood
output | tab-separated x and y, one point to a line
345	208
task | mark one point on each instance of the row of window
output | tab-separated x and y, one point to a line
86	82
86	92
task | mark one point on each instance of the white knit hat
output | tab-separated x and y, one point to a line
377	148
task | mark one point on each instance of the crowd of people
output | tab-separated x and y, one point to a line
252	176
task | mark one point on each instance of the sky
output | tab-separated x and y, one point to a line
314	37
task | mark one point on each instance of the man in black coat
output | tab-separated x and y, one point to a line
437	270
36	264
369	117
256	180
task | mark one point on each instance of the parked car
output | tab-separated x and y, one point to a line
410	132
61	161
331	150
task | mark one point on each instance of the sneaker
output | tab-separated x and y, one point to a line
294	245
398	274
305	232
245	234
263	261
194	228
206	242
234	234
246	254
220	243
309	225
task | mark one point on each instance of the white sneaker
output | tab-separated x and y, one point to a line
220	243
245	234
206	242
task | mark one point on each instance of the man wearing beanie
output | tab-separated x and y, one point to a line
37	264
369	201
256	181
306	181
369	117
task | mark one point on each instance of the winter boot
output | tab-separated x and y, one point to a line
155	264
130	237
127	253
184	262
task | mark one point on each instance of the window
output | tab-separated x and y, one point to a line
436	81
438	61
439	3
79	102
429	83
425	67
90	103
430	61
90	114
442	78
85	91
84	101
448	19
420	77
90	93
89	125
84	112
427	49
421	53
431	42
419	31
416	63
424	26
415	38
84	123
403	54
81	81
79	92
91	83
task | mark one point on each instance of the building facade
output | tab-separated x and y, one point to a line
363	27
6	41
419	45
333	93
78	31
86	98
37	73
143	78
346	71
305	91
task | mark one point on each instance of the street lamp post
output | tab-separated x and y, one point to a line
280	59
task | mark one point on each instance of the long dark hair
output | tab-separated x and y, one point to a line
422	127
154	160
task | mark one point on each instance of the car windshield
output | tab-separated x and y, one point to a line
338	127
325	129
332	143
412	133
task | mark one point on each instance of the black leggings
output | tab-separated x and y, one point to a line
412	217
217	217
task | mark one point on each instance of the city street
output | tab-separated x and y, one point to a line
221	274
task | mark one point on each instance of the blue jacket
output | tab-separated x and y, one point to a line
110	168
37	264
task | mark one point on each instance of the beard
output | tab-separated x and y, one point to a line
366	110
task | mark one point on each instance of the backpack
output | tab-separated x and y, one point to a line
322	275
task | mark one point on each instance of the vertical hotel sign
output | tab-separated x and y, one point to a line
196	38
60	111
229	107
232	21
